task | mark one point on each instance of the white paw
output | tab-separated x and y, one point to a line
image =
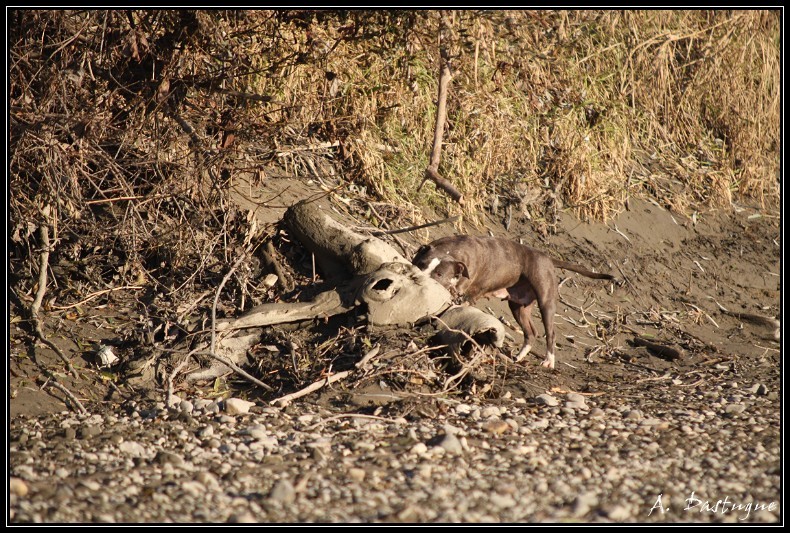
523	352
549	361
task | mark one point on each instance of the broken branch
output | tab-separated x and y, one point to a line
432	172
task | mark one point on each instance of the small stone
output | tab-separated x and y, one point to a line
91	484
576	406
356	474
583	503
205	432
451	443
762	390
269	280
575	397
501	501
212	444
87	432
524	450
463	409
212	407
174	400
419	449
186	406
244	517
450	429
597	412
618	513
62	473
283	492
492	411
130	447
733	409
497	427
633	414
164	457
69	433
207	479
258	432
237	406
541	423
547	399
18	487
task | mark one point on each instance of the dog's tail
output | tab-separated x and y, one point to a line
581	270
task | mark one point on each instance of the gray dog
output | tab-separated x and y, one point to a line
489	266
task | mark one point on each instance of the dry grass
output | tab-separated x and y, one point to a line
552	110
547	111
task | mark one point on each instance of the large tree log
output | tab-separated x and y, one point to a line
338	250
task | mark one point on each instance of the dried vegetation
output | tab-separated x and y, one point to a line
127	128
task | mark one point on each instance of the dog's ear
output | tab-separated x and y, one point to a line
421	250
460	270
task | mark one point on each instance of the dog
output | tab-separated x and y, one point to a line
489	266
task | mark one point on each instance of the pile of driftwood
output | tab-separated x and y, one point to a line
366	275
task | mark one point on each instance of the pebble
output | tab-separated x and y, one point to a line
18	487
492	411
583	503
501	501
237	406
463	409
575	397
186	406
734	409
283	492
205	432
244	517
547	399
497	427
451	443
174	400
132	448
618	513
356	474
597	412
541	423
257	432
419	449
87	432
164	457
201	403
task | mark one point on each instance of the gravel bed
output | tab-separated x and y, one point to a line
675	453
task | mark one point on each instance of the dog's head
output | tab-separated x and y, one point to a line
443	267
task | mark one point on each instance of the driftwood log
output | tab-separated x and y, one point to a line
366	273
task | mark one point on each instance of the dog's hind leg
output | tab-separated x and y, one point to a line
523	315
548	306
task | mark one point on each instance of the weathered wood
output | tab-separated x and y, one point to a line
432	172
339	251
326	304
